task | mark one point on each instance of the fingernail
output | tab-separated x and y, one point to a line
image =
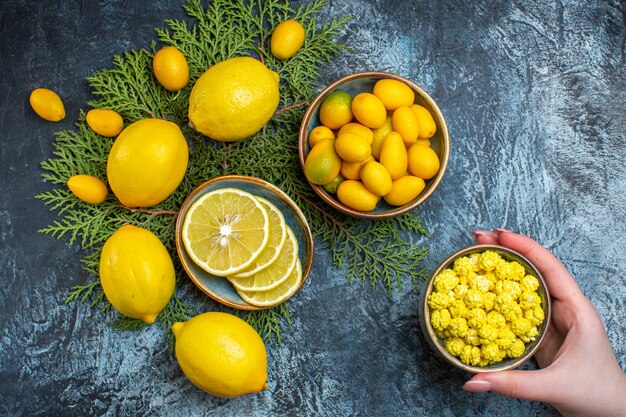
477	233
498	230
478	385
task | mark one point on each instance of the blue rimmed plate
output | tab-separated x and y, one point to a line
218	288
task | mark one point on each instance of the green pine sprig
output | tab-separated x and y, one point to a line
374	252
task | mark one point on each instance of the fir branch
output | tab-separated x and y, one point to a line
374	252
269	322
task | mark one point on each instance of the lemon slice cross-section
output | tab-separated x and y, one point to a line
276	273
278	237
225	230
278	294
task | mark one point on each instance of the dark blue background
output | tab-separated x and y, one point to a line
534	96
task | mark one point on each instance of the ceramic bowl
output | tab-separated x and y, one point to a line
437	344
364	82
218	288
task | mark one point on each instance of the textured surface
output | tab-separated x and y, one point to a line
534	96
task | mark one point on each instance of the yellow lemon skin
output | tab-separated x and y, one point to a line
393	155
233	99
358	129
336	110
287	39
221	354
427	124
147	162
404	121
376	178
404	190
106	123
170	68
89	189
322	164
369	110
318	133
423	161
352	171
379	135
356	196
47	104
352	148
137	273
393	93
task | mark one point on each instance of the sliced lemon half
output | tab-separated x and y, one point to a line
278	237
276	295
276	273
225	231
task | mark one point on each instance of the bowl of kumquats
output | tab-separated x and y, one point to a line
373	145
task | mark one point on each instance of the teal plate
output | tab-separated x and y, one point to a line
362	82
218	288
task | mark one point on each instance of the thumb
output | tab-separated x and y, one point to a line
527	385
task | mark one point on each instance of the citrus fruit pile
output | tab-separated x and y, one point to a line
372	146
233	234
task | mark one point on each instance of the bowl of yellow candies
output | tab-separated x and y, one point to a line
373	145
485	308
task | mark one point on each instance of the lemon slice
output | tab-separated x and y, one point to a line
278	236
225	231
277	295
276	273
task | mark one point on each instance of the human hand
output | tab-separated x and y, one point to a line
580	375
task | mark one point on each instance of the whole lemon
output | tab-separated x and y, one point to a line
137	273
147	162
170	68
352	147
234	99
287	39
221	354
